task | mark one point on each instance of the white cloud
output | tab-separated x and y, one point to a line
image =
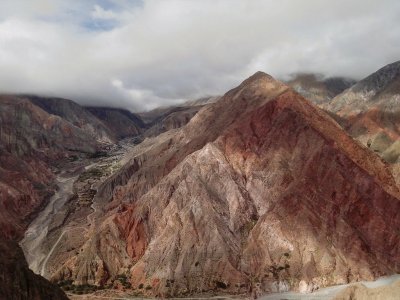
101	13
159	52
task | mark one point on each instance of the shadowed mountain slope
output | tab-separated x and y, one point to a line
318	89
121	122
76	115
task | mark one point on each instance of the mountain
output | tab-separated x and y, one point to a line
121	122
36	134
31	142
18	282
202	101
261	191
370	111
317	88
162	120
76	115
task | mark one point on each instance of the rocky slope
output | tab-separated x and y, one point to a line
121	122
319	89
17	282
169	118
76	115
370	112
260	191
202	101
162	119
31	142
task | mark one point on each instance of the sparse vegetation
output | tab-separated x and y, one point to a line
80	289
220	284
369	142
98	154
95	173
122	278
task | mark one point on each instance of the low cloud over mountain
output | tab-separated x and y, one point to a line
142	54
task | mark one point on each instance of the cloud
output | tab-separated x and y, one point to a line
101	13
142	54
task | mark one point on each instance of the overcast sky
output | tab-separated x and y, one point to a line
142	54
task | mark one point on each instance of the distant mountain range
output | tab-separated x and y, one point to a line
317	88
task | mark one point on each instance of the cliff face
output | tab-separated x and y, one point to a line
17	282
260	190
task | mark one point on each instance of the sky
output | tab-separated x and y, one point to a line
141	54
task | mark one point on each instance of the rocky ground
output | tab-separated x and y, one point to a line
59	230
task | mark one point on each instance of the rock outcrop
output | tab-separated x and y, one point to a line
259	190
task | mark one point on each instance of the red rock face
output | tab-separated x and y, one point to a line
134	233
24	185
259	191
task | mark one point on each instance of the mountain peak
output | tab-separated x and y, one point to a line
260	83
257	76
379	79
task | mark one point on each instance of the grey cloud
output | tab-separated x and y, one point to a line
162	52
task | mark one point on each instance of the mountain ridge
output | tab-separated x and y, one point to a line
208	192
